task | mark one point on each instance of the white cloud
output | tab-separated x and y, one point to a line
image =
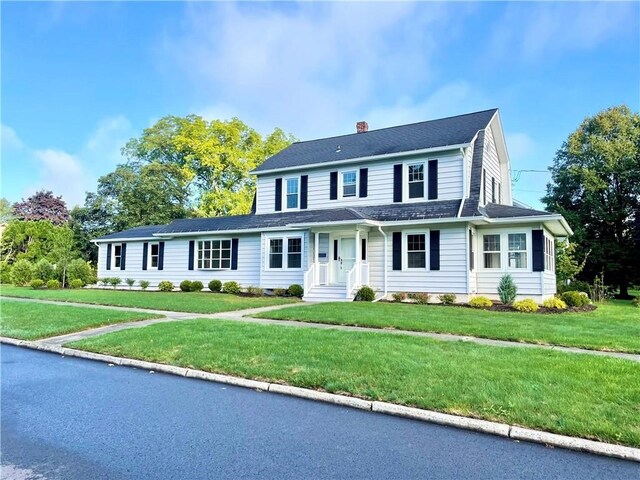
9	138
61	173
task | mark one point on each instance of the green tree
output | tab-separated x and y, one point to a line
27	240
567	265
6	211
63	250
596	186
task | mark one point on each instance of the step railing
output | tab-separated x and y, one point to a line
352	280
309	279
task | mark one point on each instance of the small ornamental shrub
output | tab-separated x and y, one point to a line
165	286
447	298
480	302
144	284
422	298
527	305
215	285
53	284
78	268
554	302
131	282
196	286
365	294
115	281
22	273
185	285
507	289
255	291
279	292
104	281
5	272
635	302
77	283
231	287
575	285
44	270
399	296
295	290
574	299
36	283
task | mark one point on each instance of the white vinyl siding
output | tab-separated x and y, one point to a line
282	277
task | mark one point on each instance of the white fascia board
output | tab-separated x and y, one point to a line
361	221
533	219
399	223
364	159
127	239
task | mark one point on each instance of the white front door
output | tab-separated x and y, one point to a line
346	258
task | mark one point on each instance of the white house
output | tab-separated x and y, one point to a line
425	207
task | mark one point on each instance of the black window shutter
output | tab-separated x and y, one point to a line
234	253
484	187
278	194
333	186
108	256
145	253
335	249
123	256
434	250
471	259
304	186
397	250
433	179
493	189
364	182
364	248
160	255
537	250
192	248
397	183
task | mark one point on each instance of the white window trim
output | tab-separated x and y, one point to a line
405	250
285	252
341	183
527	239
284	193
113	255
197	250
150	256
504	250
501	252
405	181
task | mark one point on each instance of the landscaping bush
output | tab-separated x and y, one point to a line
77	283
365	294
165	286
635	302
554	302
36	283
447	298
78	268
295	290
186	285
422	298
44	270
279	292
131	282
115	281
5	272
215	285
480	302
575	299
53	284
507	289
144	284
399	296
22	273
255	291
104	281
196	286
527	305
231	287
576	285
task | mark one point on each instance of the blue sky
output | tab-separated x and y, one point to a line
80	79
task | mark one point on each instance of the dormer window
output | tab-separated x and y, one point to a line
292	193
416	180
349	184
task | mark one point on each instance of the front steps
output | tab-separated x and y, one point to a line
327	293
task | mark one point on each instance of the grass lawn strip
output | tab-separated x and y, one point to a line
614	326
192	302
576	395
32	321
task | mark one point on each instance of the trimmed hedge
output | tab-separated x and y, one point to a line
295	290
215	285
231	287
574	298
365	294
165	286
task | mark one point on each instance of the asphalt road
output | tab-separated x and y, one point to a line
77	419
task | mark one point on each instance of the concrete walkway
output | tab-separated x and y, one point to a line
245	316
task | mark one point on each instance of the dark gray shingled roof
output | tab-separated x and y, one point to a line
494	210
404	138
137	232
470	208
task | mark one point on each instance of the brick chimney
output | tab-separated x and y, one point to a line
362	127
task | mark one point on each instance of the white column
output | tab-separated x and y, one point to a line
316	253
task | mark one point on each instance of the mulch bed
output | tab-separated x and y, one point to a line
500	307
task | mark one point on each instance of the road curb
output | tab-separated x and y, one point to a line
493	428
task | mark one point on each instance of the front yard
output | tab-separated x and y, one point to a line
613	326
32	321
200	302
578	395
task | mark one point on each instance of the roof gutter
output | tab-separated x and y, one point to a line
385	156
532	219
219	232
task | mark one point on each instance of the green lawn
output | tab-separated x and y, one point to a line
571	394
31	321
200	302
614	326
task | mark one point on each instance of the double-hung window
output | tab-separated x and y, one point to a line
285	253
416	180
517	250
491	250
275	253
117	255
416	251
349	184
214	254
154	254
292	192
294	252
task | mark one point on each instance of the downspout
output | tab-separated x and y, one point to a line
385	263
